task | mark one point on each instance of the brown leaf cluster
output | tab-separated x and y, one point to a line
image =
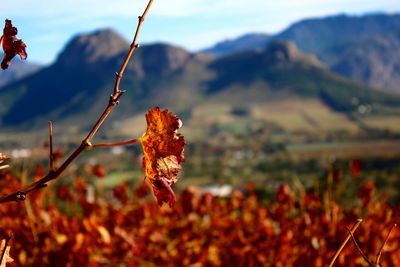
74	229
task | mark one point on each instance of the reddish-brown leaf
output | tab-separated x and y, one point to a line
163	153
355	167
99	171
142	190
12	46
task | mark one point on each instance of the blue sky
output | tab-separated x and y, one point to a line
46	25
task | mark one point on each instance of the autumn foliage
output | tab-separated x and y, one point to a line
65	226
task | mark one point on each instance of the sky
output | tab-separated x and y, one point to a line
47	25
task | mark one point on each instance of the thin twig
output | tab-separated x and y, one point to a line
359	249
3	158
4	249
86	143
378	256
4	167
117	93
125	143
51	158
353	229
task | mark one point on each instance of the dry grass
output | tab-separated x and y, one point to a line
384	122
346	149
303	115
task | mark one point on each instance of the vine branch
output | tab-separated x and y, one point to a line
86	142
3	167
3	252
352	230
125	143
358	248
378	256
51	158
367	260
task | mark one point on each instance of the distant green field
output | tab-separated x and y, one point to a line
115	178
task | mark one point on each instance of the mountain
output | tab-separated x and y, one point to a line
16	71
81	79
322	35
282	67
242	43
359	47
90	49
363	48
372	61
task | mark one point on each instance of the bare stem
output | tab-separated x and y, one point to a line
117	93
378	256
359	249
134	45
353	229
51	158
125	143
4	249
4	167
86	143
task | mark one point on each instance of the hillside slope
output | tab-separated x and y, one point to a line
80	80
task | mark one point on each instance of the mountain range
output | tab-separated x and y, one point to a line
81	79
363	48
246	42
236	79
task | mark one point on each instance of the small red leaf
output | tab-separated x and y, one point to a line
12	46
355	167
99	171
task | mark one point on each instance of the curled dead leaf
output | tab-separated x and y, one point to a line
163	153
12	46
